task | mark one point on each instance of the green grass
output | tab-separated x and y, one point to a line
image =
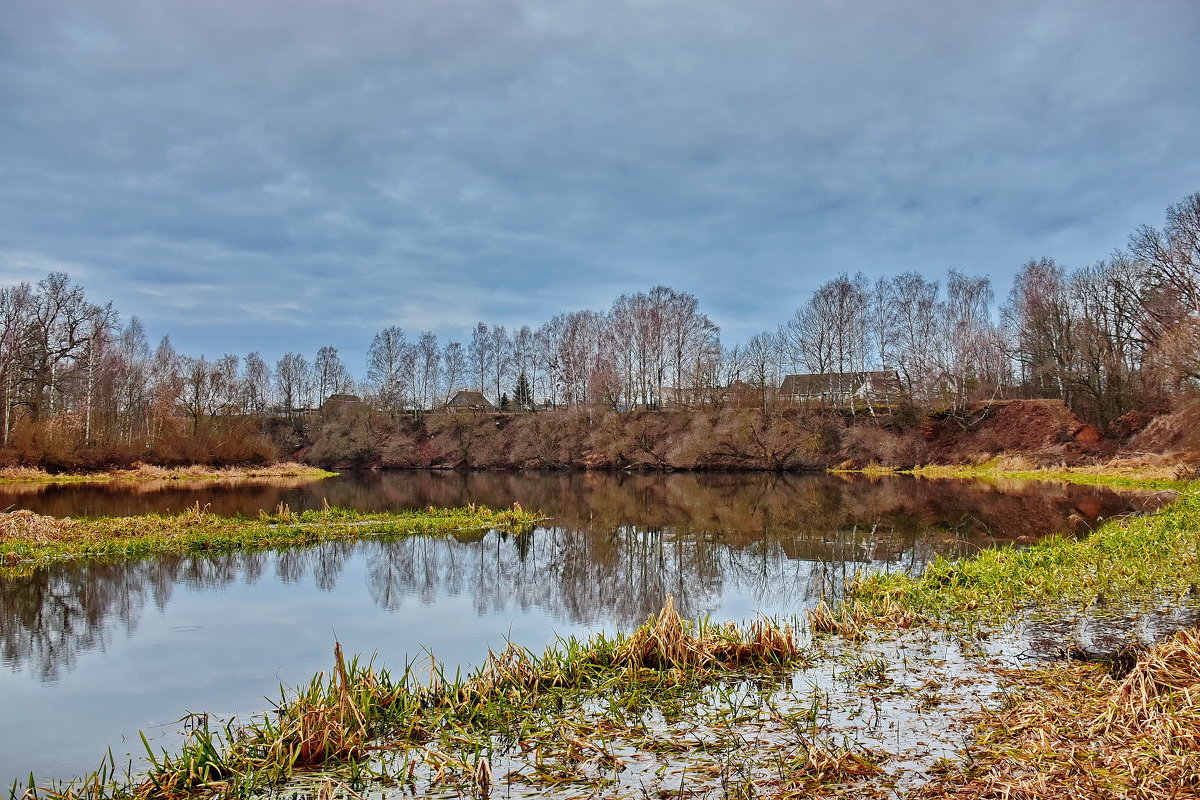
1087	476
1126	561
28	540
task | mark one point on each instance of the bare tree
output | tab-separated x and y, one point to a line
61	325
914	327
256	383
454	369
428	364
500	359
293	382
389	361
965	328
1039	310
330	374
760	366
479	356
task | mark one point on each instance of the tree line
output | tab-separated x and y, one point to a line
1120	334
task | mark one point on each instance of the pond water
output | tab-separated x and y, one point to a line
92	653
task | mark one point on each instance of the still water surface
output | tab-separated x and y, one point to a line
93	653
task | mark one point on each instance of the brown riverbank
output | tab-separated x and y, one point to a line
1025	434
1039	432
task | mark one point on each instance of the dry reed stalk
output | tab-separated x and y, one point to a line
852	619
23	474
1080	733
26	526
667	642
820	764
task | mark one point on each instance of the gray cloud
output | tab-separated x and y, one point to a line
284	176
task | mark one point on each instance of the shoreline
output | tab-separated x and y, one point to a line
149	472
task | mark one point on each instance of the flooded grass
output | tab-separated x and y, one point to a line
28	539
150	472
1126	561
871	707
1083	732
578	716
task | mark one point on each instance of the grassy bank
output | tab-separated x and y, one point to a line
28	539
1124	562
150	472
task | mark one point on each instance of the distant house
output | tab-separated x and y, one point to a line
469	401
842	388
338	401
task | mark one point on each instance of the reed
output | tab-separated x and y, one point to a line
151	472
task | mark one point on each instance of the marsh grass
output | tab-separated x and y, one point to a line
28	539
1077	732
150	472
1124	562
568	716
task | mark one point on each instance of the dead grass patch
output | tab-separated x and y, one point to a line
1077	732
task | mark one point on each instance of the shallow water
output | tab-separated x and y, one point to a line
93	653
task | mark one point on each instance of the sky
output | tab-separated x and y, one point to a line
279	176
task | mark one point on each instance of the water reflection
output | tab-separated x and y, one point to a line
615	547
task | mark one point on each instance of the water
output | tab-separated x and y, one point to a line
93	653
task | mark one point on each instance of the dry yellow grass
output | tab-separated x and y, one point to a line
668	642
1077	732
140	473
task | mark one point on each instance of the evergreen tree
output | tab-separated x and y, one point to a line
523	395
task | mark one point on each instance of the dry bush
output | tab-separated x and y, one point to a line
868	443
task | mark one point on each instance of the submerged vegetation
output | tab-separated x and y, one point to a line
28	539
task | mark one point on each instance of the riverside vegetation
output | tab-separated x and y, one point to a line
699	708
28	539
150	472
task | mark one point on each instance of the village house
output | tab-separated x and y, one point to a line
465	400
880	387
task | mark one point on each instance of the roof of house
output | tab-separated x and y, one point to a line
468	399
825	383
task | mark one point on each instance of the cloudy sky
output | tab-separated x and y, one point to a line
280	175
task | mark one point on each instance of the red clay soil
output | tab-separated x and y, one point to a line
1044	430
1176	434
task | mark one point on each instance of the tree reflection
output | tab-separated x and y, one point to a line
615	547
